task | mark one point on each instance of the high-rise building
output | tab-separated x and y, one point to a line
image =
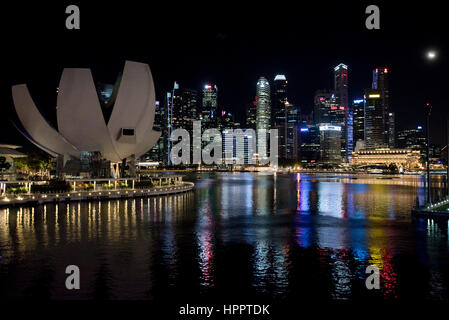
324	102
309	144
292	126
414	139
184	107
330	143
280	100
341	92
358	109
158	152
391	130
381	83
209	106
251	111
279	113
263	111
374	131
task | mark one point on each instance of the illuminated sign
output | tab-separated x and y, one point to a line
304	129
359	101
374	96
330	128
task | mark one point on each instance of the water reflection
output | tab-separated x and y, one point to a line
287	236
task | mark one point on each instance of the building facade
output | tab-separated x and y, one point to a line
403	159
279	112
330	143
342	95
209	106
358	109
374	130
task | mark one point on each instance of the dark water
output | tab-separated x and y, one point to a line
237	236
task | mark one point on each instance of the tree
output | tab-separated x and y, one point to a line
35	164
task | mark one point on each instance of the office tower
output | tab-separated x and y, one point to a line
381	83
279	113
391	130
291	133
184	107
374	120
209	106
358	110
323	102
225	120
330	143
157	153
309	144
414	139
251	111
341	92
280	100
263	108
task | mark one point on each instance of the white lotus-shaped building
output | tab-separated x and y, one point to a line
81	124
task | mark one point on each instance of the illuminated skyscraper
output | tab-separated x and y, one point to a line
209	105
330	143
251	114
341	91
381	82
391	130
263	109
324	102
358	109
291	132
374	120
309	144
279	113
158	152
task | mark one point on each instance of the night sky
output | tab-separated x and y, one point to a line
224	43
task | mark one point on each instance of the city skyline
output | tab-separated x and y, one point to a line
303	47
216	159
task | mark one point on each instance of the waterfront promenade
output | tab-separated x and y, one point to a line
21	192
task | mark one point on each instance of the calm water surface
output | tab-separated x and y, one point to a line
239	235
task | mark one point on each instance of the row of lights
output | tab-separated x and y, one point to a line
79	194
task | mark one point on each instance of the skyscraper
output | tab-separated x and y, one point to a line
263	109
309	144
381	83
209	105
391	130
330	143
279	113
251	111
324	102
358	109
374	130
157	153
291	132
341	92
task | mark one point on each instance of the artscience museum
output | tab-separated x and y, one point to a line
82	127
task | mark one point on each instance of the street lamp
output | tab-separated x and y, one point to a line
432	55
428	111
